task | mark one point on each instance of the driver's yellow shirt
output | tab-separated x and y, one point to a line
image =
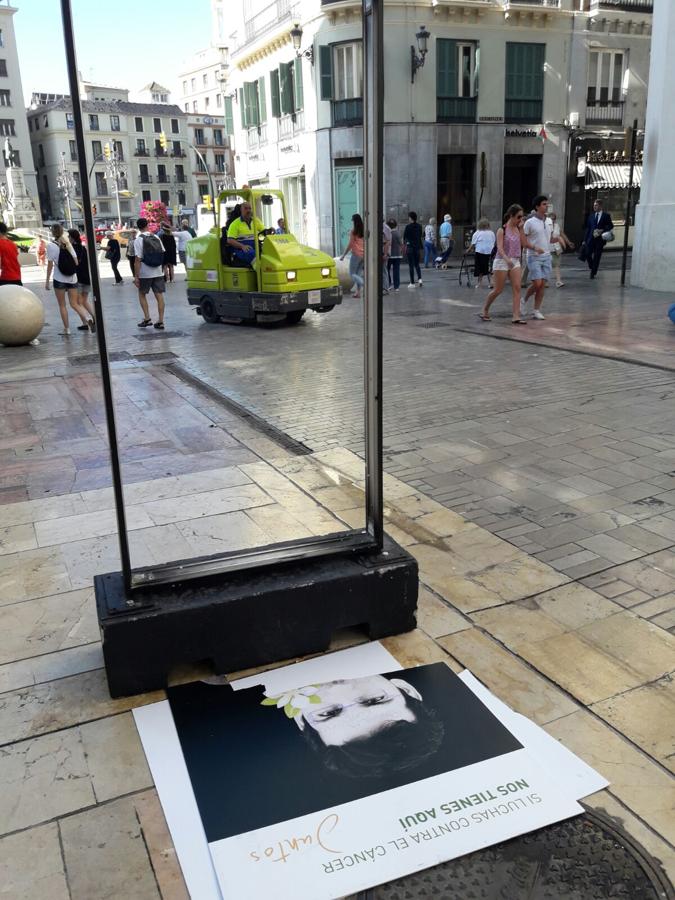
239	228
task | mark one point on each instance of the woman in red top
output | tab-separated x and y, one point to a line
356	259
10	270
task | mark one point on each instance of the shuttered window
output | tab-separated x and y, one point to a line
524	82
262	100
446	68
274	93
286	88
229	117
298	98
326	72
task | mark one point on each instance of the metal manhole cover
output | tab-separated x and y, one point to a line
585	858
155	357
88	359
413	312
153	335
434	325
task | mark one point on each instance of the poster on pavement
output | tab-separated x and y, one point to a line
312	785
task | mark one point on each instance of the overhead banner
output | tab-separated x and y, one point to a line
342	783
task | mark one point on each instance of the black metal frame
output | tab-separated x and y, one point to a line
369	539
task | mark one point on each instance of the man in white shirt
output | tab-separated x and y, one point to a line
538	230
149	273
182	237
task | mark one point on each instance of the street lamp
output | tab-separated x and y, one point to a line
113	171
416	62
66	185
296	37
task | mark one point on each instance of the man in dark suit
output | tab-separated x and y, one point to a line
597	223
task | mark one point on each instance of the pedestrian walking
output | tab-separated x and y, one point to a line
412	238
113	253
62	261
538	231
131	252
83	277
182	237
510	241
429	242
562	243
10	267
599	229
148	273
445	234
483	242
395	256
41	252
185	225
355	247
169	242
386	250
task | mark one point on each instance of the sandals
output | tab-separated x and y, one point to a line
518	322
159	325
144	323
483	317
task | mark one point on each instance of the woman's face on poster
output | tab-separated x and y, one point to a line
358	708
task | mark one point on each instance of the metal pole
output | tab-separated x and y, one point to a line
208	175
629	202
71	59
373	146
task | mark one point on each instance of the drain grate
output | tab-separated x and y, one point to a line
434	325
153	335
155	357
586	857
88	359
411	313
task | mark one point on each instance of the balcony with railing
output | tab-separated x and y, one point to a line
163	179
631	6
177	154
144	178
607	113
160	152
256	137
546	4
348	113
523	112
291	125
140	151
265	20
456	109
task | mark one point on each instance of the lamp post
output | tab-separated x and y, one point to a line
66	185
112	170
417	61
296	37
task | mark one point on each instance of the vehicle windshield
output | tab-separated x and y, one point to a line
267	207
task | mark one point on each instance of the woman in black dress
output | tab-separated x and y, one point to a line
83	279
113	254
169	242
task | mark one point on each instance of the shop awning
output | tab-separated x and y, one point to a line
611	175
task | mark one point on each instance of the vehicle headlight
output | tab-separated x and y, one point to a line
325	272
291	276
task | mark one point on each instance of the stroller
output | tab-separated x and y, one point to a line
441	261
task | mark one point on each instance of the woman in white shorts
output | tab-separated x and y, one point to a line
510	242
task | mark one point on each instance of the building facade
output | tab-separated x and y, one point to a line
135	133
13	124
508	92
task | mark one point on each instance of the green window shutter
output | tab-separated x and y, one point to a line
525	71
476	75
228	115
242	107
274	92
446	68
262	100
286	87
298	98
251	112
326	71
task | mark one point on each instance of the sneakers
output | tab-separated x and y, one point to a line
65	332
419	283
411	287
396	290
538	314
83	328
144	323
560	284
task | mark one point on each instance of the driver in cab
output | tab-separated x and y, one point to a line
240	235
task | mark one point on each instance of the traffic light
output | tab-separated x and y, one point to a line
93	209
106	152
163	143
206	200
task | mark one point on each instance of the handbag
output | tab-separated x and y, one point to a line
583	253
608	236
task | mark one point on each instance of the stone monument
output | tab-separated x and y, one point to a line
18	207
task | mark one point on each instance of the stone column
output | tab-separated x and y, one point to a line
654	247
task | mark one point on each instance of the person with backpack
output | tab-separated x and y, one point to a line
62	261
83	278
149	273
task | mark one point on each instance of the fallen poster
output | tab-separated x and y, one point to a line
341	783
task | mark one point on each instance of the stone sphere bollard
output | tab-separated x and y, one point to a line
22	315
342	267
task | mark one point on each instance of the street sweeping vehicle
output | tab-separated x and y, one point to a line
262	273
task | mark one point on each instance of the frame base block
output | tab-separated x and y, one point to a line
251	618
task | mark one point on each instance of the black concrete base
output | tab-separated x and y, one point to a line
252	617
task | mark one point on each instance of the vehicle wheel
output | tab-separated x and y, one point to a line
322	309
294	317
208	308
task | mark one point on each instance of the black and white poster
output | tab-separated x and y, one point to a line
339	783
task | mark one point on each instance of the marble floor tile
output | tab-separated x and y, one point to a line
62	704
436	618
47	624
38	669
43	778
519	578
645	648
105	854
33	573
88	525
16	538
115	756
277	523
216	534
160	846
637	781
643	715
86	558
210	503
417	649
40	510
518	685
31	865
